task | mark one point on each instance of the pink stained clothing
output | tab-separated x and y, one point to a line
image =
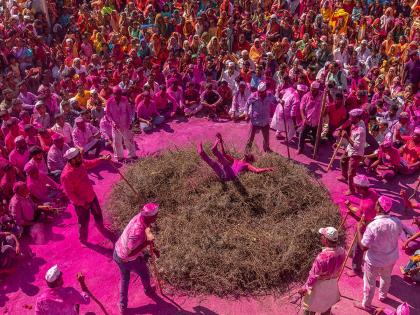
392	158
119	113
41	187
146	111
239	167
133	237
326	265
367	206
22	209
162	101
19	160
40	165
76	183
82	138
358	136
66	131
60	301
178	95
311	108
55	158
381	239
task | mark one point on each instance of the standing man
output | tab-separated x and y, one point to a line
366	210
78	188
321	288
128	253
57	300
310	110
380	241
120	113
259	106
355	149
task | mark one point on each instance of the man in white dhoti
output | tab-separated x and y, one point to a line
289	101
321	288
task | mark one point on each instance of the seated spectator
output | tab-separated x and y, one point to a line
166	105
147	113
45	140
68	112
55	157
412	268
37	159
410	152
19	155
31	136
63	128
13	127
86	137
7	180
21	206
387	162
9	252
211	101
226	93
97	113
192	104
40	115
238	110
41	187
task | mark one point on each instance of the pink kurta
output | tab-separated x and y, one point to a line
60	301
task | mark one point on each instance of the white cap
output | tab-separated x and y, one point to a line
52	274
262	87
356	112
361	180
230	64
71	153
315	85
329	233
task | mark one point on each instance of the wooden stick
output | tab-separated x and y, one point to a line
285	129
343	221
102	307
154	267
347	256
125	179
318	131
335	153
415	190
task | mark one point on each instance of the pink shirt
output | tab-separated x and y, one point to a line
392	158
311	108
133	236
121	113
326	265
40	165
19	160
76	183
55	158
59	301
381	239
147	111
38	187
367	206
22	209
81	138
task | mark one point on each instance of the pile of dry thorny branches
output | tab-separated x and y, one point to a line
253	236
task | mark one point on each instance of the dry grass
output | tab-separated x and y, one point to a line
253	236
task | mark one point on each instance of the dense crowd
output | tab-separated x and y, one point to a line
80	77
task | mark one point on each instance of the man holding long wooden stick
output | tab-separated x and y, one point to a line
380	241
366	209
128	253
355	149
321	288
310	110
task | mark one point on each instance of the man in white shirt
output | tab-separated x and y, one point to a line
340	54
63	128
230	75
363	52
245	58
355	149
380	241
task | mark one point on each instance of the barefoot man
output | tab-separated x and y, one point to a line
321	288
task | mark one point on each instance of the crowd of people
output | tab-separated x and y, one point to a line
80	77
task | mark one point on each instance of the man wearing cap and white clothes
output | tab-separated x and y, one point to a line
259	107
355	149
321	288
55	156
310	110
288	105
365	210
240	98
59	300
380	241
230	75
128	253
78	189
86	137
120	112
